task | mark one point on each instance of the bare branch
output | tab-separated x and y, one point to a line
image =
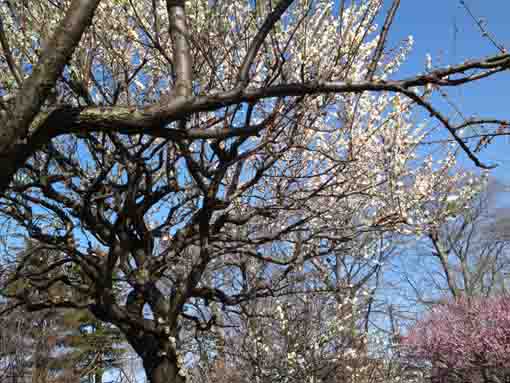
435	113
8	55
483	29
180	38
382	39
258	40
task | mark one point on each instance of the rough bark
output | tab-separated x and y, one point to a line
36	88
159	358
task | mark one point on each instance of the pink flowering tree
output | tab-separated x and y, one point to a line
468	339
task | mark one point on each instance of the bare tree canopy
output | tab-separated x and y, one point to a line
187	158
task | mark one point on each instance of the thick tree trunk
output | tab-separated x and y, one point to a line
159	358
98	377
40	363
163	370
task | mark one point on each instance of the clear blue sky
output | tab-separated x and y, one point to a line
444	29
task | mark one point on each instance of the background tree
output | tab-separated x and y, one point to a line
314	330
468	251
473	251
15	352
57	346
466	340
466	275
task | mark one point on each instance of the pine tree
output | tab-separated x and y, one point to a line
61	346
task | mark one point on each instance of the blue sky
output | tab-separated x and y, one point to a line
445	30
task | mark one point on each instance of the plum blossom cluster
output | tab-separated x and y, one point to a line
464	334
360	148
305	337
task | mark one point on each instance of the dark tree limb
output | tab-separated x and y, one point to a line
382	39
182	51
259	38
39	84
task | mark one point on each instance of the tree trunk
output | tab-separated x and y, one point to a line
159	358
98	377
40	362
163	370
